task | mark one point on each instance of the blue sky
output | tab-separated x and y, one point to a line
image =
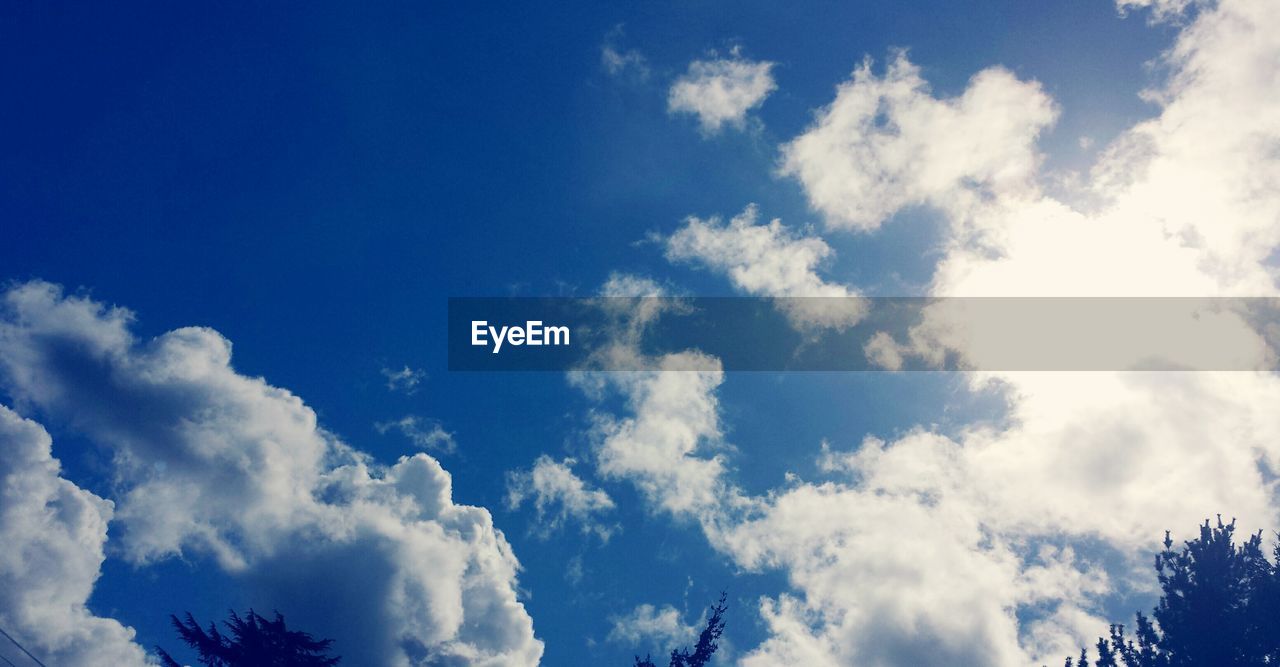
314	182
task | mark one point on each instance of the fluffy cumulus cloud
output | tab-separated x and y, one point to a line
880	580
882	559
770	260
208	461
895	561
1001	544
53	534
559	496
670	445
933	550
721	91
886	142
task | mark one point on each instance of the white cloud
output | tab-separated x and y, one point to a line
626	285
883	563
559	496
618	62
903	561
53	534
770	260
1161	9
425	434
883	352
574	571
674	417
886	142
210	461
406	379
631	304
648	625
878	566
674	420
721	91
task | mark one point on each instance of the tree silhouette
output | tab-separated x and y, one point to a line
708	642
254	642
1220	606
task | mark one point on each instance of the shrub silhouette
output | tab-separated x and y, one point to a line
254	642
1219	606
704	649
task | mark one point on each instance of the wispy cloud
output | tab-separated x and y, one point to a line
770	260
404	380
559	496
620	61
647	624
425	434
